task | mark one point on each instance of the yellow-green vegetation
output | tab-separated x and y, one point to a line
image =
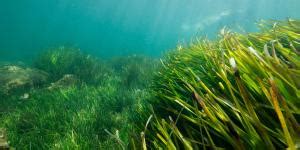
238	92
86	105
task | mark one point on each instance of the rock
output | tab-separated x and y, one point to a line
14	78
67	80
25	96
3	140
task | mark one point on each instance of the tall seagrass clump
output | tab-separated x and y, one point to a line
67	60
239	92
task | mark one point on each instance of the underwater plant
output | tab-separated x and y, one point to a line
241	91
64	60
73	117
135	71
76	111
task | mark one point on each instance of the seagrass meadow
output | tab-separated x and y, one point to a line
240	91
66	99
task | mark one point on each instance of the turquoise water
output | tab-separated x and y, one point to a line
120	27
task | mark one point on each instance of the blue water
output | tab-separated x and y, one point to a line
120	27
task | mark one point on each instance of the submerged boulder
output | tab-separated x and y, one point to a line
3	139
68	80
18	78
